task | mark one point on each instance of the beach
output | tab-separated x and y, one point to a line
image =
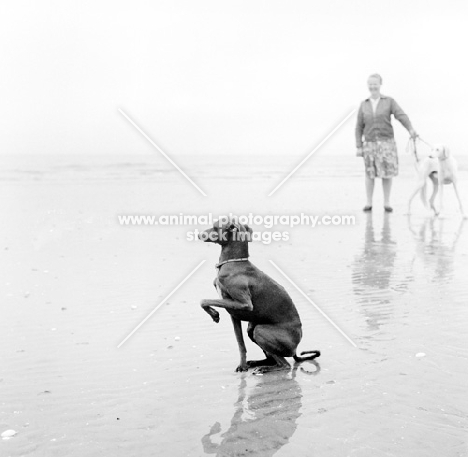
75	283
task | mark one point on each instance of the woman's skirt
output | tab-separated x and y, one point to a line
380	159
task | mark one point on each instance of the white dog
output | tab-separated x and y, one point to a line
441	168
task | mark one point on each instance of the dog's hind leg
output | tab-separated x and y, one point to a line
440	179
423	194
435	189
455	188
277	342
267	361
418	188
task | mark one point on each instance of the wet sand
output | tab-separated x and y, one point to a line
75	283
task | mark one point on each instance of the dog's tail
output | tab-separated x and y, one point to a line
314	355
423	194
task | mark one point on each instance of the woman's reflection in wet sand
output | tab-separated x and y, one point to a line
372	273
265	415
435	248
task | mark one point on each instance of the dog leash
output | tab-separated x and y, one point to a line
426	143
414	149
432	147
415	152
218	265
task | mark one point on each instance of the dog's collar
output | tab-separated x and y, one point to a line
440	158
244	259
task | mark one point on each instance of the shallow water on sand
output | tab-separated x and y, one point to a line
75	283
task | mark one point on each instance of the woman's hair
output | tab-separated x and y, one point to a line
376	75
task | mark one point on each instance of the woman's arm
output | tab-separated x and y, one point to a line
359	127
402	117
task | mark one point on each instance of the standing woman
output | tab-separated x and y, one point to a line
379	147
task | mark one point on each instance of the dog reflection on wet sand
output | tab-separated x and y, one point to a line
264	418
435	246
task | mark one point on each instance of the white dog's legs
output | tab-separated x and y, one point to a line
458	198
435	190
441	194
419	187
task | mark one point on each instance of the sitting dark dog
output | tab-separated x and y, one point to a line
250	295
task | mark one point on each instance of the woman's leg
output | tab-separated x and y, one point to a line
369	190
387	188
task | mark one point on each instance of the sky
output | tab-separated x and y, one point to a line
225	77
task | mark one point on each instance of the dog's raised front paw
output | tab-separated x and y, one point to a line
216	428
213	314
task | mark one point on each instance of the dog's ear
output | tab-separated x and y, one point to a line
242	232
250	232
233	226
446	152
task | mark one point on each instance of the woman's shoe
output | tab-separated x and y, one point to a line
388	209
367	208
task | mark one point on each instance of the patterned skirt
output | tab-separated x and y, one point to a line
380	159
